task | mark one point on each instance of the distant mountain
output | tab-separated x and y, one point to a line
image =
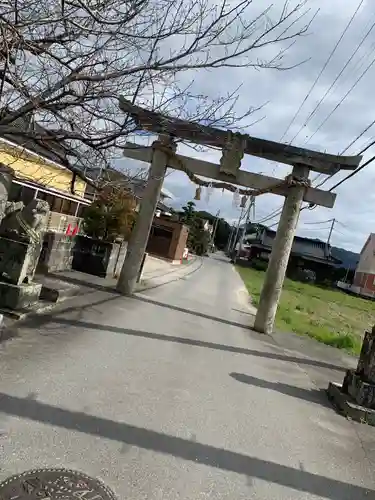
206	215
349	259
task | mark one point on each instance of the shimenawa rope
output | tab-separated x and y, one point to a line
289	181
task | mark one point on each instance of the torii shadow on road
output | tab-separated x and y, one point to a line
295	188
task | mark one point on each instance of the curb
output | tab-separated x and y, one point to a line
172	276
345	405
25	313
177	268
243	292
13	317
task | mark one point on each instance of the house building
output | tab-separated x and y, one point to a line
306	254
40	173
168	239
364	278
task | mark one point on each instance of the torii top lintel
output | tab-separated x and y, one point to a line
209	136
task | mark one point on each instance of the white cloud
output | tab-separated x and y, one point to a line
284	91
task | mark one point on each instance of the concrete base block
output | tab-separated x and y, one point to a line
19	296
345	404
361	391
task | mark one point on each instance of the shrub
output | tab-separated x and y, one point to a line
111	216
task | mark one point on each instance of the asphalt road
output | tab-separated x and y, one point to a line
166	396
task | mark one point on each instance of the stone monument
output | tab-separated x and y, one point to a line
360	383
356	396
21	238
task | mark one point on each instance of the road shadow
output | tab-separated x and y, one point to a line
316	396
243	312
38	320
185	449
195	343
190	311
83	283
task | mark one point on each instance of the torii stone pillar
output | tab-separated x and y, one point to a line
141	231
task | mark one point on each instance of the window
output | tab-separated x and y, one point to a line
42	195
21	193
15	192
69	207
49	198
73	208
162	232
57	204
81	209
27	194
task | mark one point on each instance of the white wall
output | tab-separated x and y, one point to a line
366	262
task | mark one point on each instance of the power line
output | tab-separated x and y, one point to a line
342	100
330	88
360	63
271	215
342	224
339	232
323	68
349	176
335	81
359	136
315	228
344	150
328	177
277	212
352	174
367	147
319	222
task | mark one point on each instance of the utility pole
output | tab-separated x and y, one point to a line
333	222
347	273
247	219
216	223
279	258
229	242
141	231
330	232
238	226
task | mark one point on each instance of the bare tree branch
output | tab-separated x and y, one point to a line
63	64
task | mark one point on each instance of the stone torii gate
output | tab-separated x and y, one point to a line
295	188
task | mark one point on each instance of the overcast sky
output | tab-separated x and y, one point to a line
284	91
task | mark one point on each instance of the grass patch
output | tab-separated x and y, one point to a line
327	315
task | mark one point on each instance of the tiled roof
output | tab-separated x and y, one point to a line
301	238
50	149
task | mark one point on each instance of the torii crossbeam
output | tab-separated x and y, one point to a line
210	136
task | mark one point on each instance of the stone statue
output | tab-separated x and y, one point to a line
6	177
21	240
13	206
29	223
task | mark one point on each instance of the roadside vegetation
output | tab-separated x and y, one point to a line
327	315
